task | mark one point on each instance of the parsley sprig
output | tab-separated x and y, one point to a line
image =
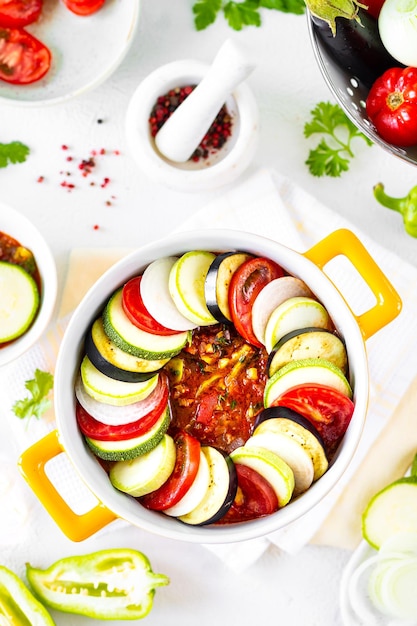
13	152
39	388
331	157
241	14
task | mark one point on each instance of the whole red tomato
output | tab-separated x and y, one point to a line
391	106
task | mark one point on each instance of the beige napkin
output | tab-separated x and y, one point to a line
271	205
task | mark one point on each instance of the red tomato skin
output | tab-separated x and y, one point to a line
327	409
136	311
33	57
245	285
19	13
254	498
373	7
391	106
84	7
182	477
90	427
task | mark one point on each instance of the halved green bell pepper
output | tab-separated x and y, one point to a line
17	604
109	584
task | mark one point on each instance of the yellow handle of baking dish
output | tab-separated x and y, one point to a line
32	466
388	302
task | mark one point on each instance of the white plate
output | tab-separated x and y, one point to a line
85	50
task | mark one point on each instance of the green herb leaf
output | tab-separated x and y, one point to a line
205	12
331	157
240	14
297	7
14	152
39	388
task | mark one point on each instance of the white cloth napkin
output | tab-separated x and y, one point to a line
270	205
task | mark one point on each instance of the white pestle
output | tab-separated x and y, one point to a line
185	128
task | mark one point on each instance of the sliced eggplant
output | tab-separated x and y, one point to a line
290	423
114	362
216	286
271	296
308	343
220	493
303	371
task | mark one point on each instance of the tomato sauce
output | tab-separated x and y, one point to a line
217	384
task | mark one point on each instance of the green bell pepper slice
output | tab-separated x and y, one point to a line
18	606
108	585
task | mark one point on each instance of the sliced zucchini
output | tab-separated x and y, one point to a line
303	371
114	362
217	283
111	391
273	295
131	448
19	301
186	286
133	340
220	493
147	472
308	343
295	313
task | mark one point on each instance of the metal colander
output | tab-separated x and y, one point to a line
350	62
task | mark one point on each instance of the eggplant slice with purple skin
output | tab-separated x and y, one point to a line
217	282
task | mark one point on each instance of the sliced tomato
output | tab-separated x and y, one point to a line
84	7
19	13
182	477
327	409
136	311
23	58
254	497
245	285
90	427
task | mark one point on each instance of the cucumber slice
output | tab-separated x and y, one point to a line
147	472
131	448
308	343
114	362
294	313
303	371
133	340
111	391
186	286
392	510
19	301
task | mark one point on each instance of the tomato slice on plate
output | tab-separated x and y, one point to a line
19	13
327	409
254	498
84	7
182	477
23	58
245	285
136	311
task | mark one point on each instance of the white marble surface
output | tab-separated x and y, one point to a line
291	590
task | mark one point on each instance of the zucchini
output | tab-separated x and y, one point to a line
110	360
131	448
147	472
135	341
19	301
115	392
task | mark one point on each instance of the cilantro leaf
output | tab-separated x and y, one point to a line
205	12
14	152
39	388
331	157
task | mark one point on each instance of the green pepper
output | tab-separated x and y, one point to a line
109	584
407	206
17	605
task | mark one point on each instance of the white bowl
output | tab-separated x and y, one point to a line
20	228
85	50
296	264
223	168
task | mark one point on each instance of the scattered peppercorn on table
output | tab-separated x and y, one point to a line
82	189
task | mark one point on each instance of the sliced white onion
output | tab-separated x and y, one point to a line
119	415
397	24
